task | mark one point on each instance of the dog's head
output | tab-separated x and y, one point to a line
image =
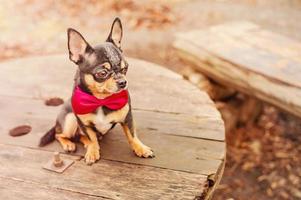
102	68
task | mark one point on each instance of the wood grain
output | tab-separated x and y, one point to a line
107	179
151	87
233	59
18	189
27	111
245	55
176	119
154	131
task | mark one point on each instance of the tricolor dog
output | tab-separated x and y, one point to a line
100	97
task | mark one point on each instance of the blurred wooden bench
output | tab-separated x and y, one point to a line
248	58
176	119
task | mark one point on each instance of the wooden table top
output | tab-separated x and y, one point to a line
177	120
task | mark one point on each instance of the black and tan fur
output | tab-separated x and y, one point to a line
101	72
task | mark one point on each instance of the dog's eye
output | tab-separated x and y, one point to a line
124	70
102	74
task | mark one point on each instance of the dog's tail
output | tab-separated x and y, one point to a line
48	137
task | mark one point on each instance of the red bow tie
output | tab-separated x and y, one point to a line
83	103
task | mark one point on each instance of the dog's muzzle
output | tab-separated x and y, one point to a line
121	83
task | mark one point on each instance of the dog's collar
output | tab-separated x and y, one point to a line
84	103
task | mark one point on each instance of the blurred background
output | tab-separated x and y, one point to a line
263	158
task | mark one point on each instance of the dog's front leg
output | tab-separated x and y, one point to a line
138	147
92	146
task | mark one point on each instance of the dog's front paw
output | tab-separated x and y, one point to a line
92	154
69	146
143	151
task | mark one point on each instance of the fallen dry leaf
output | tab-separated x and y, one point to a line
20	130
55	101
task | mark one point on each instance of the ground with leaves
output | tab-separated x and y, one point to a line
263	159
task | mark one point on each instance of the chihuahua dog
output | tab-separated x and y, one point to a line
100	97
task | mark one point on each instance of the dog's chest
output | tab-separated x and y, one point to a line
104	121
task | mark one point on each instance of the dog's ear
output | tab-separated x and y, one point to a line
115	35
77	46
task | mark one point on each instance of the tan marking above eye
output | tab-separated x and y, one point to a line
122	64
106	65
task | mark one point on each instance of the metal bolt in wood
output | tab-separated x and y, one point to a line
57	164
57	161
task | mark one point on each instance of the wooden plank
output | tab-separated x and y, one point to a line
244	55
274	43
50	76
28	110
234	27
270	76
205	153
179	124
159	95
188	154
286	48
255	35
16	189
107	179
280	95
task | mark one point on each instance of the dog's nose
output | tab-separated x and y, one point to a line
122	83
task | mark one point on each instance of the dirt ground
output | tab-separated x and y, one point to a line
263	159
